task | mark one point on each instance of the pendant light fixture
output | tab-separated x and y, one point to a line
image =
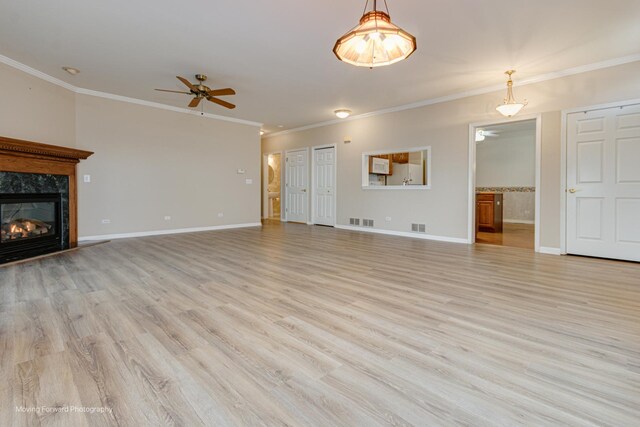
376	41
510	107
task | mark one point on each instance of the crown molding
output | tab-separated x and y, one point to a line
158	105
39	74
474	92
481	91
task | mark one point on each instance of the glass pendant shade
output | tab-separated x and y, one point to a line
510	107
375	42
509	110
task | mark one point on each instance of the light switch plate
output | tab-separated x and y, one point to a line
241	171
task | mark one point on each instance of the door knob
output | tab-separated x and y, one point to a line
572	190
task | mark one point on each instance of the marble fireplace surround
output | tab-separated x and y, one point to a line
25	164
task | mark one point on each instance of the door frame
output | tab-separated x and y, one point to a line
265	183
564	146
471	223
284	218
313	181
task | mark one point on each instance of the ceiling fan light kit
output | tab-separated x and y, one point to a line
510	107
200	92
375	41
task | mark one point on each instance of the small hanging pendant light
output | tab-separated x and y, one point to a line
375	42
510	107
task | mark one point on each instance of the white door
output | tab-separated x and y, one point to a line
603	183
324	186
296	185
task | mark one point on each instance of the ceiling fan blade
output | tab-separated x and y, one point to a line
221	102
173	91
187	83
221	92
195	101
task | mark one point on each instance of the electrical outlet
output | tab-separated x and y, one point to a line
220	214
87	178
106	221
388	219
248	181
241	171
167	218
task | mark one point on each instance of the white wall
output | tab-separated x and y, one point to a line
445	127
151	163
148	162
35	110
507	160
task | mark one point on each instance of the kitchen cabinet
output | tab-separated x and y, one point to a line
489	212
381	167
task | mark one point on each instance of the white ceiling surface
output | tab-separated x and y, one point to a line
278	54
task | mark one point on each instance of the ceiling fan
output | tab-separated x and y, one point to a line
482	134
200	91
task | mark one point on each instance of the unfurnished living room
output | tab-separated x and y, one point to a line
338	213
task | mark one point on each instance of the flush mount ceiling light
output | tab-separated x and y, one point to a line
376	41
510	107
71	70
342	114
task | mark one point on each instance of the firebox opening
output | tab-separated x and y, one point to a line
30	225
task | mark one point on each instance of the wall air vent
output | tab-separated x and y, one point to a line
419	228
354	221
367	222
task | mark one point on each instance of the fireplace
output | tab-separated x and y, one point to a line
30	225
38	198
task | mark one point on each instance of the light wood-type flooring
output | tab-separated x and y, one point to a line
514	235
310	326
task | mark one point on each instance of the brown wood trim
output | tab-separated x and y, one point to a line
10	145
33	157
73	207
28	165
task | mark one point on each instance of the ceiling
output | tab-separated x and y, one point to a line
277	54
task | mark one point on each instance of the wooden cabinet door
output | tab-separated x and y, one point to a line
400	158
485	213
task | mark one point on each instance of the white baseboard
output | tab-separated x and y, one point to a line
518	221
549	251
403	234
163	232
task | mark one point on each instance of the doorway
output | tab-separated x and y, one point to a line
602	198
272	187
505	175
296	185
324	185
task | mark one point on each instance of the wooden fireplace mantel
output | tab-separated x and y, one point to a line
32	157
